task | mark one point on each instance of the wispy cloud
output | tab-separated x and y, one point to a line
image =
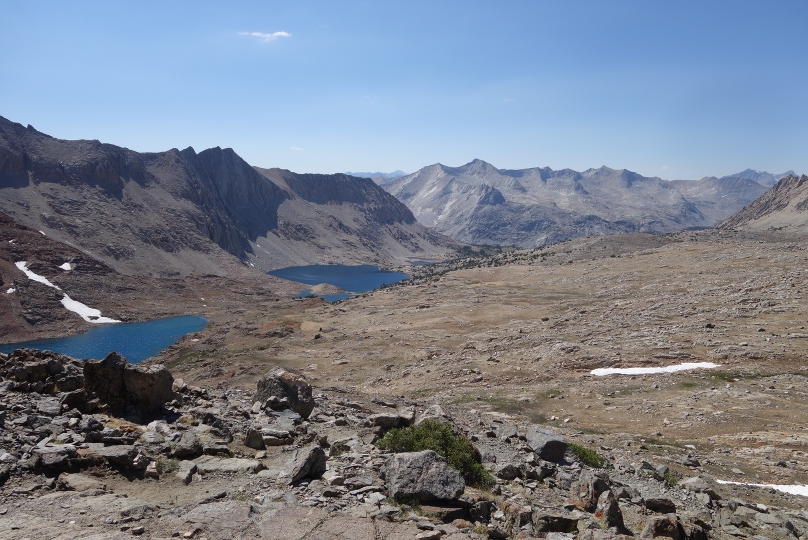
296	148
664	167
265	37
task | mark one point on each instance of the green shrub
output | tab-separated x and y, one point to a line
587	455
441	438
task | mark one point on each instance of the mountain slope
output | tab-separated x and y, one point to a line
480	204
783	207
176	212
719	198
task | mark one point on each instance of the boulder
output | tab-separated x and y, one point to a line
667	526
698	484
128	388
608	511
434	412
305	463
546	444
55	455
424	476
591	485
125	455
281	383
253	439
558	523
188	445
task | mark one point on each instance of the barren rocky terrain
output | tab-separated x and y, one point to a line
502	348
496	346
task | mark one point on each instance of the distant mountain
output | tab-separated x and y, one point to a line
379	177
761	177
719	198
480	204
178	212
783	207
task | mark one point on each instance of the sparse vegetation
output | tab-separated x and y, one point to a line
587	456
166	466
441	438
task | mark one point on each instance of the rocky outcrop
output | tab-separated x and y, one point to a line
424	476
126	388
280	389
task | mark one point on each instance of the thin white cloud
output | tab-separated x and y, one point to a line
266	37
296	148
664	167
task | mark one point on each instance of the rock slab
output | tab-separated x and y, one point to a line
424	476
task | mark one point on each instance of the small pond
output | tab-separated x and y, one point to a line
353	279
135	341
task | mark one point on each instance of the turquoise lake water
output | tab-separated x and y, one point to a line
354	279
135	341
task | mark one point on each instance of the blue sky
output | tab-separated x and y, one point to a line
680	89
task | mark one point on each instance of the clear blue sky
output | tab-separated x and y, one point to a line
677	89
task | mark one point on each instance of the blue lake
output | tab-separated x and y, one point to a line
354	279
135	341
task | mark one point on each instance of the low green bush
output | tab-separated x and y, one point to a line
587	456
441	438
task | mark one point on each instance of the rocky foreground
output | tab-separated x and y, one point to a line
110	450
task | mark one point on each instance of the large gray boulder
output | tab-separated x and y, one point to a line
281	383
546	444
305	463
127	388
424	476
126	455
188	445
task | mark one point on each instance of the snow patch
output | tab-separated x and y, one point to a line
650	370
87	313
785	488
11	290
43	233
34	277
66	266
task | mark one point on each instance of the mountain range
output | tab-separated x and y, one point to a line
177	212
379	177
480	204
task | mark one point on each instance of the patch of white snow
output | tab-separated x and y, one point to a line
11	290
35	277
650	370
43	233
86	312
785	488
66	266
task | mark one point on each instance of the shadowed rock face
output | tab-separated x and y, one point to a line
176	212
128	389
